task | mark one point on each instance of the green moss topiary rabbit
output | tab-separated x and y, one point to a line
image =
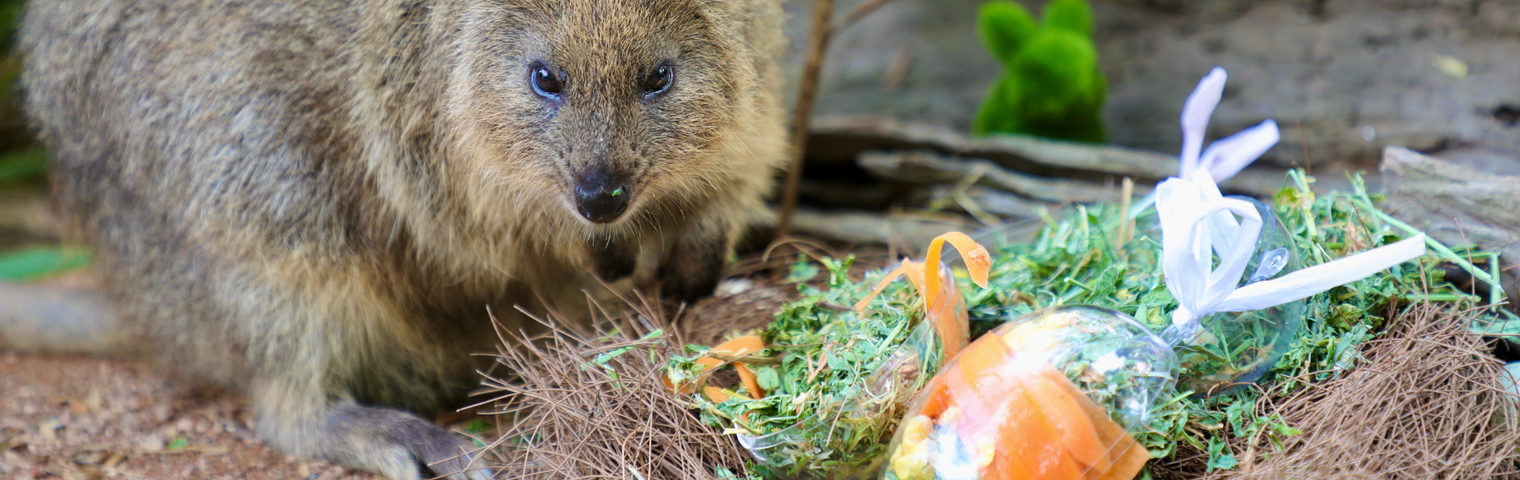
1051	85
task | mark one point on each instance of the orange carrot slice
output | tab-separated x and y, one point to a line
715	394
1126	455
686	388
1066	417
1130	458
980	360
741	346
978	262
942	304
1027	446
954	329
860	307
939	398
950	321
751	382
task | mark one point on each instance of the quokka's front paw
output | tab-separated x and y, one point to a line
692	269
398	445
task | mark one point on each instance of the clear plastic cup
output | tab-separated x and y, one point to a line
1056	393
876	408
1240	347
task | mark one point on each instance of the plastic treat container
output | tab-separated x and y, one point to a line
1241	347
1056	393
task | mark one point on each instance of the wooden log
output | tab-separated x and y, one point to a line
1457	206
927	167
842	139
847	195
911	231
989	200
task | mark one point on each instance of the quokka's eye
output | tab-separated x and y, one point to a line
659	81
544	82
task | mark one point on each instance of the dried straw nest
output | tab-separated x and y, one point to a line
1427	402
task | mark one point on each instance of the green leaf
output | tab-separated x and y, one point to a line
179	443
476	426
23	165
1287	431
768	377
802	271
1220	456
38	262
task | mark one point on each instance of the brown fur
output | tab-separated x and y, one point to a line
315	201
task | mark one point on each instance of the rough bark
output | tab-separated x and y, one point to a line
1457	205
839	139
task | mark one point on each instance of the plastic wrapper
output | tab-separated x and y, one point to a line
1240	347
879	406
1056	393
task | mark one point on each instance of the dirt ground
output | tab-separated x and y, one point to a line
89	418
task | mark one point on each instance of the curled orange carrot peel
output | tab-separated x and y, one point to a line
942	301
739	346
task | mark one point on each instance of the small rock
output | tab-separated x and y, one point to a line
78	407
14	460
161	413
93	401
304	471
734	287
45	430
333	473
185	424
151	443
90	457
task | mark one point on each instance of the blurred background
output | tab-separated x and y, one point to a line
1436	76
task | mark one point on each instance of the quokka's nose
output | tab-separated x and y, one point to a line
600	197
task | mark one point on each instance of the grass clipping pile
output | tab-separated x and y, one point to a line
1428	403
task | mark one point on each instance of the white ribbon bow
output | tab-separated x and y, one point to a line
1198	223
1227	156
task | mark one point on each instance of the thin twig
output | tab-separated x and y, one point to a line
857	13
806	95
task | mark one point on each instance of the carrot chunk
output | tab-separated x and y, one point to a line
1066	417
